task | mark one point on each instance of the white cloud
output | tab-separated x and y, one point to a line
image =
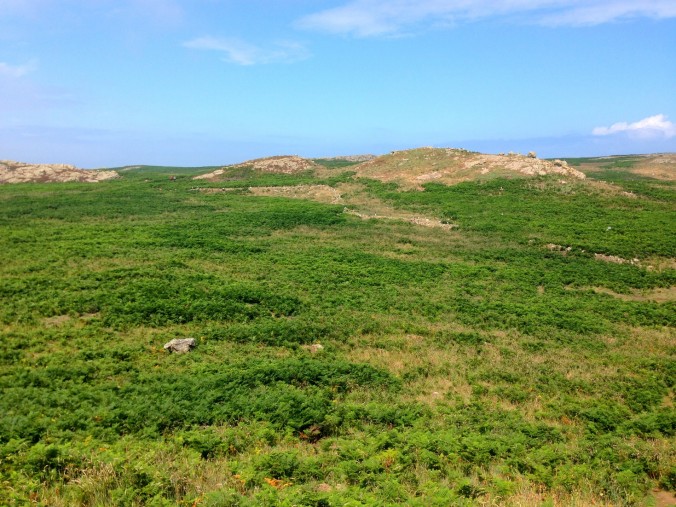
652	126
243	53
17	71
366	18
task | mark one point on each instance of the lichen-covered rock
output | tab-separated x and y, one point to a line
180	345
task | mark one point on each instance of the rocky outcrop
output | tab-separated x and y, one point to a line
413	168
528	165
285	164
21	172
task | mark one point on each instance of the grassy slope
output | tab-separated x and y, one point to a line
467	366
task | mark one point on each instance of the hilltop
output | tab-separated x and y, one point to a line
282	164
22	172
413	168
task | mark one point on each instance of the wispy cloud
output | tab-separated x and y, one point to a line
598	12
17	71
652	126
368	18
244	53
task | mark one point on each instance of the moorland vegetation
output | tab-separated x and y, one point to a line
519	356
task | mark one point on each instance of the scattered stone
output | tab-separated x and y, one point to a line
615	259
315	347
180	345
558	248
532	154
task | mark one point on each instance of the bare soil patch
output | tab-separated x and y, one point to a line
664	499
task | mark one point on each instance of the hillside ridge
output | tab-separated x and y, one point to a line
22	172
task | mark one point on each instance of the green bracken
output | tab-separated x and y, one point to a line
480	365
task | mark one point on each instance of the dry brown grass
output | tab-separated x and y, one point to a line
319	193
660	295
659	167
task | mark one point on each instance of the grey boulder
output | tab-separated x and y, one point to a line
180	345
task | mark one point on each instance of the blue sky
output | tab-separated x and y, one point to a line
113	82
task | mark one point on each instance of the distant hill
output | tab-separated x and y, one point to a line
660	166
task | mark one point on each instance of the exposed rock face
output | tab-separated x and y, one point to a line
525	165
180	345
21	172
285	164
413	168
